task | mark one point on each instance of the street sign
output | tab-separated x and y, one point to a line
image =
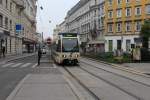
18	28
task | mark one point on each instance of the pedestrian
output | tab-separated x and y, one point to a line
3	51
39	55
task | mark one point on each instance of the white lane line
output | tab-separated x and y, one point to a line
25	65
34	65
16	65
15	91
6	65
54	66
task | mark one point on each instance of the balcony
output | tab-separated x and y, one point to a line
20	3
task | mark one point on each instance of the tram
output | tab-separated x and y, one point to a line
66	49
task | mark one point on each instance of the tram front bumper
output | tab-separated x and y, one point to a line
70	61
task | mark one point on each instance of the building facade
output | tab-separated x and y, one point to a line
86	18
123	21
56	31
7	26
12	14
29	25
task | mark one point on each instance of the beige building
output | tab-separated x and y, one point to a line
12	13
55	32
86	18
7	26
29	25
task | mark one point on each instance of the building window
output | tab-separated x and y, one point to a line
138	25
138	0
147	9
128	26
110	45
119	13
128	12
127	1
119	2
119	44
10	24
1	1
119	27
138	11
6	22
110	2
1	21
128	45
110	27
6	3
11	7
110	14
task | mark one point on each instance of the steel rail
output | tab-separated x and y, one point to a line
82	84
116	74
112	84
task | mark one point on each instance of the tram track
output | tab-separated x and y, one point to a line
122	76
112	84
82	84
134	84
119	67
100	78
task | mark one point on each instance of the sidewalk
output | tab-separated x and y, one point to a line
144	67
43	87
13	57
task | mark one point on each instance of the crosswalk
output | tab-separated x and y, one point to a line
19	65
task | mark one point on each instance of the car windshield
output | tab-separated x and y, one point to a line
70	45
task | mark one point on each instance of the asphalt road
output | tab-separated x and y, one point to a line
13	72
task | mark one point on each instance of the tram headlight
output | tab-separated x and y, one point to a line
77	56
64	56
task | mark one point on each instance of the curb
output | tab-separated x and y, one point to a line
18	87
120	67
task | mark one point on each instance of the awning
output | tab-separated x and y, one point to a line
28	41
5	33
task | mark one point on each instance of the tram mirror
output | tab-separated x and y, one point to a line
57	42
79	42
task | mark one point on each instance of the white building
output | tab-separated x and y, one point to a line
55	32
86	18
8	12
12	13
29	24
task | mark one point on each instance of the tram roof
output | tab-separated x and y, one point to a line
67	33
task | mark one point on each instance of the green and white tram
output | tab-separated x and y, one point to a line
66	49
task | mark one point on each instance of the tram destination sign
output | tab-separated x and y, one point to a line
69	34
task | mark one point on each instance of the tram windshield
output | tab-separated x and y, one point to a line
70	45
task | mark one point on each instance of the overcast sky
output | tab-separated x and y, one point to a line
54	11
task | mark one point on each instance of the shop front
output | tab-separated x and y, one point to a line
3	42
29	46
96	46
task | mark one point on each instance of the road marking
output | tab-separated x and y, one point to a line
15	91
16	65
6	65
34	65
25	65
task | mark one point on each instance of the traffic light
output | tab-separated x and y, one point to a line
49	41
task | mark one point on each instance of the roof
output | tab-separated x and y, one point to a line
66	33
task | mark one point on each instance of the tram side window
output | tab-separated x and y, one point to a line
59	46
